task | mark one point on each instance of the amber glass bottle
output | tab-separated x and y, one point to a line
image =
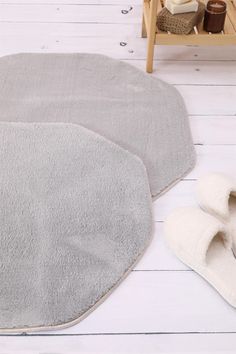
215	13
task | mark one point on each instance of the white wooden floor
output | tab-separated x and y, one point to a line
162	307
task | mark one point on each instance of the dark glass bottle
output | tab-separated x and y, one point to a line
214	18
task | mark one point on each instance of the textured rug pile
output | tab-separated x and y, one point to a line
85	143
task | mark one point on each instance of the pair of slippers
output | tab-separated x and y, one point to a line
205	239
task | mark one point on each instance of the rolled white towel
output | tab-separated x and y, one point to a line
191	6
179	2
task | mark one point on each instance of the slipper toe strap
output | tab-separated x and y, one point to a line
213	193
190	231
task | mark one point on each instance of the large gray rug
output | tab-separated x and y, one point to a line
135	110
75	217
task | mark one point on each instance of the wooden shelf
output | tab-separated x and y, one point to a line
197	37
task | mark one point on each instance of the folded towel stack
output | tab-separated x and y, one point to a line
180	23
181	6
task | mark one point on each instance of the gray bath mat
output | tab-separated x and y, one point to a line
75	216
135	110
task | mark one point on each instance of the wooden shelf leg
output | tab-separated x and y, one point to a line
151	35
150	55
144	30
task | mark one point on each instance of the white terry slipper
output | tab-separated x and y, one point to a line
201	241
216	194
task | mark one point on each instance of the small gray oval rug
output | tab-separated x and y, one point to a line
75	217
135	110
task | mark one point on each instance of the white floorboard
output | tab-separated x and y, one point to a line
215	130
69	13
162	307
132	48
122	344
194	72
